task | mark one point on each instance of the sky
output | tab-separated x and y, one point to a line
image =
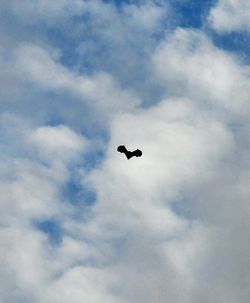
78	221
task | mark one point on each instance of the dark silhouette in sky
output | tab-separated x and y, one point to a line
129	154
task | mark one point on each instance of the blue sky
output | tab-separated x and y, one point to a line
81	223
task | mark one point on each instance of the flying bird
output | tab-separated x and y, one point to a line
129	154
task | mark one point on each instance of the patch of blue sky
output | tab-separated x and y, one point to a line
84	48
65	109
191	13
93	158
66	41
183	205
188	13
52	229
75	192
88	51
93	48
235	42
120	2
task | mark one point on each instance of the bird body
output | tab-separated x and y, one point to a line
129	154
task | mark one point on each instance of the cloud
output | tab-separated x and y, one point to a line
166	227
38	67
189	60
30	12
182	151
230	16
57	143
148	16
176	205
38	163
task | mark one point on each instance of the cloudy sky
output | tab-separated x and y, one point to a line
78	221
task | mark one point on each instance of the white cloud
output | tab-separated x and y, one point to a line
37	66
190	158
57	143
147	16
35	168
230	16
31	268
164	132
80	284
183	148
190	65
166	227
30	11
